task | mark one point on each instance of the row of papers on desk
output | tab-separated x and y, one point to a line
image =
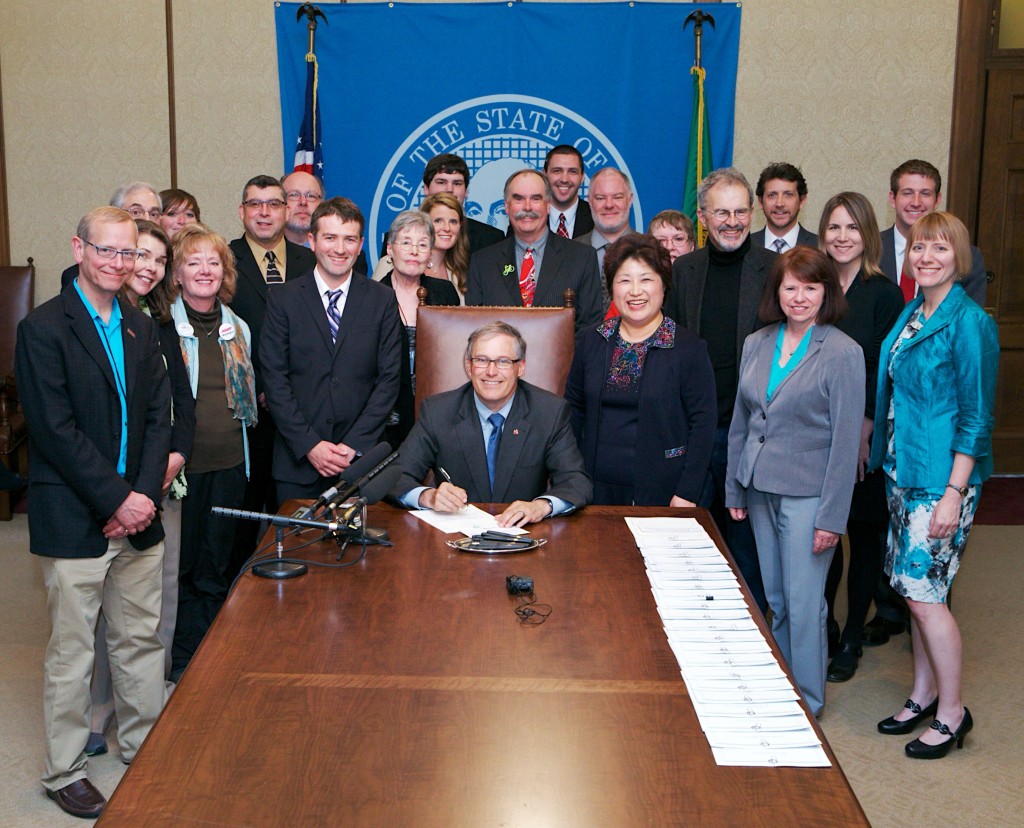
746	705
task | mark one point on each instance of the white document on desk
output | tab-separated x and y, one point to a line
469	520
754	724
808	757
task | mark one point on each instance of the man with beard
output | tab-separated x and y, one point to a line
611	198
715	293
782	194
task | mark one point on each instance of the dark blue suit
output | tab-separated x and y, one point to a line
317	390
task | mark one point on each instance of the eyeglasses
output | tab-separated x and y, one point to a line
295	195
406	245
501	363
740	214
137	212
111	253
270	203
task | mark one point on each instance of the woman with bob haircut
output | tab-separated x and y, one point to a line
215	346
793	451
180	208
641	389
936	390
848	235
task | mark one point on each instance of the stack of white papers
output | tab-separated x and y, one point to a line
747	707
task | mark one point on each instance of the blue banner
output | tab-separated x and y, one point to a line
499	84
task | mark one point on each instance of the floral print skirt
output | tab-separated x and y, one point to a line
919	567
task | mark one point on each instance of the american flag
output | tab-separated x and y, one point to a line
309	149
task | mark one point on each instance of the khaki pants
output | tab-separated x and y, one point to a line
102	686
125	584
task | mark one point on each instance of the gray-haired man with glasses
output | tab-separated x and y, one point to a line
496	439
715	293
97	400
137	198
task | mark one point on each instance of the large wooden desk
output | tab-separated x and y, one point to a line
403	691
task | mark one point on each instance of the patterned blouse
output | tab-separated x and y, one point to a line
910	330
627	365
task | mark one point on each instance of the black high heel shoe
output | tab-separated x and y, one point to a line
919	750
893	727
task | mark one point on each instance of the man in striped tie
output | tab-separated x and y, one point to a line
331	355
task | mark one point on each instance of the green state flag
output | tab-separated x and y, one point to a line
698	156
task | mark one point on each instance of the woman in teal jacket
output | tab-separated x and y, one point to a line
936	390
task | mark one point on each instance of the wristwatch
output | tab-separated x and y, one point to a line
962	490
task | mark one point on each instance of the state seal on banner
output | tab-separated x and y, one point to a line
495	135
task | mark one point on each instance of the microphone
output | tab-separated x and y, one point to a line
359	467
278	520
325	498
359	483
374	491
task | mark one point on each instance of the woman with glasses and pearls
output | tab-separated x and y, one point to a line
214	344
409	247
179	208
793	450
936	393
641	389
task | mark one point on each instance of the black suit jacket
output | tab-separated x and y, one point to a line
975	283
317	390
537	455
803	236
566	264
68	391
584	220
481	235
250	300
689	275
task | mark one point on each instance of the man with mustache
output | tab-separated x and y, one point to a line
715	293
533	267
782	194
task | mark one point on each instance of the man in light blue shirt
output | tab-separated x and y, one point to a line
494	440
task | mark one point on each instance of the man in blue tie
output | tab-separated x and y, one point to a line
496	439
331	356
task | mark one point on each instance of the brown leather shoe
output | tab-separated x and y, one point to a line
80	799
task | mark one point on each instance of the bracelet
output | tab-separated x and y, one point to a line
961	490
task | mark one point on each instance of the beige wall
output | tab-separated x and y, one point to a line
837	88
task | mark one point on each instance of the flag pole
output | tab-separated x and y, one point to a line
309	149
699	154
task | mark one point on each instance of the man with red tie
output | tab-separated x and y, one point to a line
533	267
915	189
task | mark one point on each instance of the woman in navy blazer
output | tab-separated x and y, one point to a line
641	390
936	393
793	445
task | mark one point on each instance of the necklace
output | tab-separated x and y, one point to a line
208	333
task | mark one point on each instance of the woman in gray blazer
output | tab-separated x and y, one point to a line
793	451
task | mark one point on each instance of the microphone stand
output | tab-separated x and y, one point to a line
279	570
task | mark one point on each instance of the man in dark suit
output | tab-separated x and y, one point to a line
265	260
612	195
782	193
331	355
494	440
97	402
568	215
533	266
715	293
915	189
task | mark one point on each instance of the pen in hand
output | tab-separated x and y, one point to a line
458	493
